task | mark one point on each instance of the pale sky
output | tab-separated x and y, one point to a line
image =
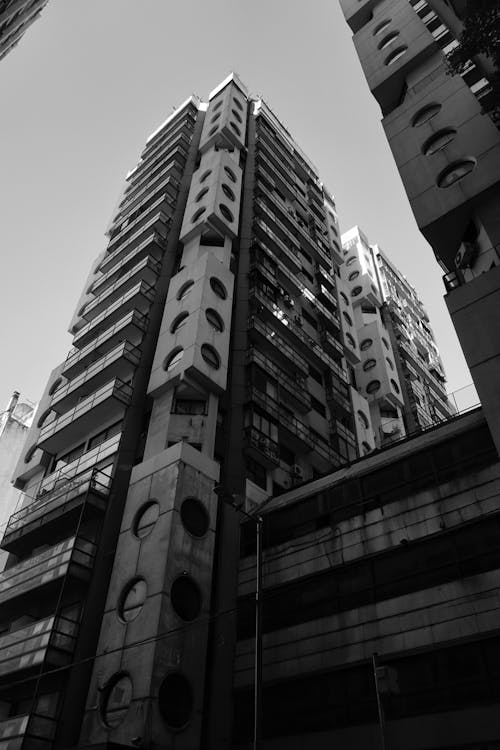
92	79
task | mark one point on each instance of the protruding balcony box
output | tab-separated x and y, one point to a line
325	296
73	557
146	270
134	231
295	387
261	448
14	731
118	263
97	409
138	298
37	522
270	340
288	254
120	361
50	641
129	328
330	343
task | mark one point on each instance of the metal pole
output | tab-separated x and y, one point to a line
381	713
257	725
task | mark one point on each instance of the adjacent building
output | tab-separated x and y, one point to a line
15	18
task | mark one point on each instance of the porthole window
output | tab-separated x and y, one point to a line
200	195
438	141
175	700
197	214
344	299
226	212
425	114
185	597
347	318
237	103
115	700
236	115
235	128
396	55
215	117
351	260
173	359
455	172
353	275
194	517
365	344
44	417
350	340
30	453
132	599
214	320
185	289
145	519
210	356
213	130
369	364
230	174
381	26
373	386
395	385
179	321
387	40
218	288
385	342
55	385
205	175
217	106
228	192
389	363
363	419
356	291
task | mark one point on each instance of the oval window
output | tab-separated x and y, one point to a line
347	318
396	55
395	385
185	597
132	599
175	700
217	106
197	214
200	195
205	175
353	275
218	288
365	344
226	212
44	417
356	291
369	364
230	174
425	114
373	386
228	192
390	364
351	260
30	453
388	39
115	700
344	298
235	128
194	517
381	26
213	130
455	172
236	116
215	117
179	322
214	319
350	340
438	141
173	359
55	385
146	519
185	289
237	103
385	343
210	356
366	448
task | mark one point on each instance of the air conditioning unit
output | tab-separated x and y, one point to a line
297	472
466	255
288	301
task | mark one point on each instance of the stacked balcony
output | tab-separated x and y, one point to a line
50	641
269	340
294	387
261	448
32	727
100	407
117	263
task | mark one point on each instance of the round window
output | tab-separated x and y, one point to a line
455	172
396	55
386	41
197	214
235	128
390	364
218	288
373	386
347	318
353	275
210	356
132	599
55	385
214	320
145	519
173	359
344	299
236	116
356	291
228	192
205	175
381	26
115	700
44	417
186	598
200	195
179	322
369	364
175	700
226	212
230	174
185	289
363	419
351	260
438	141
395	385
385	342
365	344
425	114
350	340
215	117
194	517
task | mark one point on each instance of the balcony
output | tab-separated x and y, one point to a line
325	296
98	408
35	523
159	222
287	254
50	641
118	262
40	729
270	340
138	298
120	362
146	270
129	328
330	343
261	448
73	557
295	387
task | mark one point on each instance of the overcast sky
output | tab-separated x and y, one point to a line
91	79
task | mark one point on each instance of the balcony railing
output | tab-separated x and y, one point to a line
51	640
13	732
74	556
280	346
260	446
281	250
159	221
71	425
295	387
51	505
151	248
85	462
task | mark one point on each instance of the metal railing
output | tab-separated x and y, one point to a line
297	386
263	443
75	355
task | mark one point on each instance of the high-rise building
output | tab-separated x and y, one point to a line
444	136
15	18
208	348
400	372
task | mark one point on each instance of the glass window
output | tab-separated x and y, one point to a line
439	141
381	26
386	41
205	175
356	291
227	191
173	359
179	321
145	519
365	344
425	114
210	356
373	386
363	419
185	288
226	212
194	517
115	700
200	195
218	288
369	364
396	55
197	214
230	174
456	172
132	599
214	320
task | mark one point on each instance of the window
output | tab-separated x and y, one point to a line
230	174
227	191
347	318
365	344
344	299
307	274
132	599
351	260
256	473
226	212
200	195
385	342
214	320
213	130
210	356
396	55
205	175
381	26
369	364
366	448
197	214
456	172
185	288
55	385
237	103
386	41
389	363
373	386
438	141
218	288
179	322
309	319
350	340
145	519
395	386
363	419
315	375
236	115
96	440
173	359
318	406
425	114
235	128
215	117
190	406
356	291
353	275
